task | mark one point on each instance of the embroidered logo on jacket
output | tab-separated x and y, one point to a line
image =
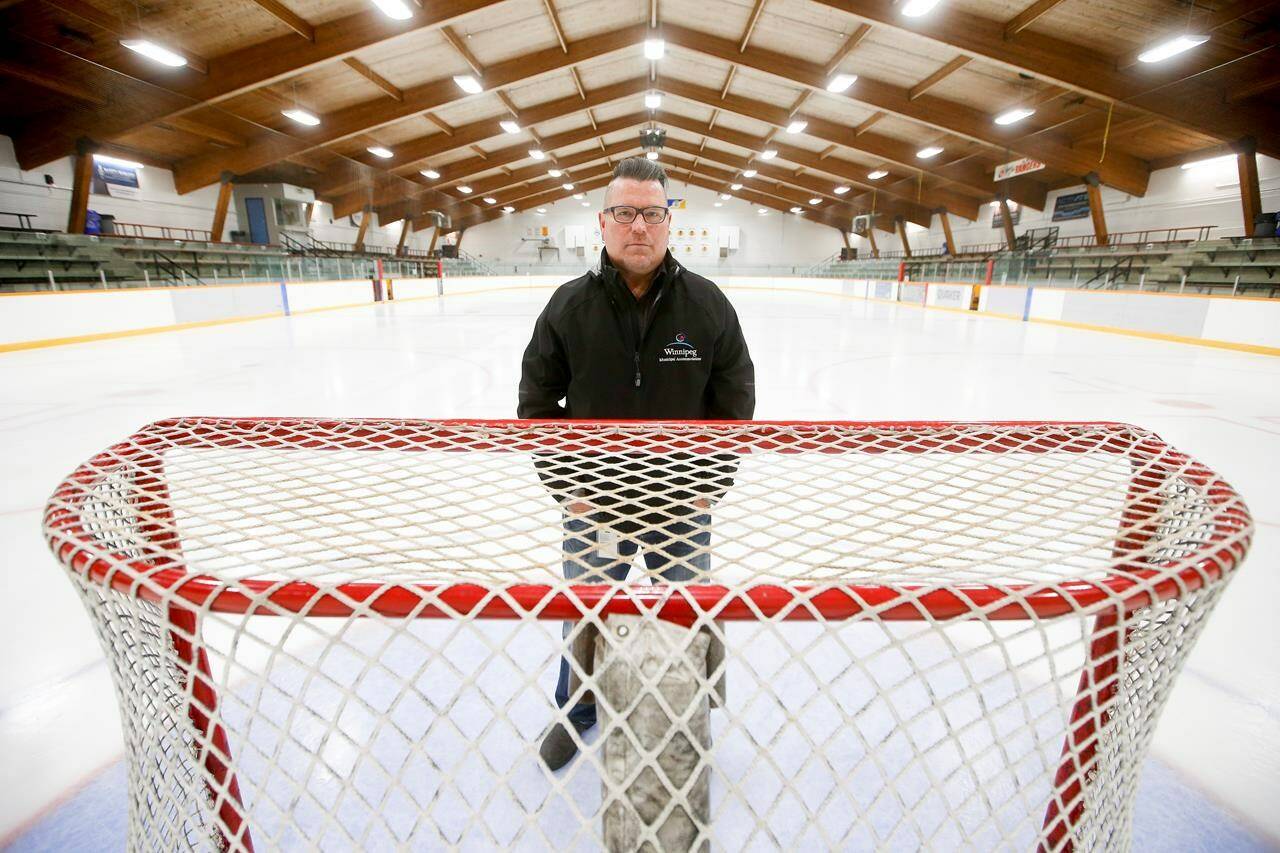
679	350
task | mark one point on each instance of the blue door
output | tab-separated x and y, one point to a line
257	212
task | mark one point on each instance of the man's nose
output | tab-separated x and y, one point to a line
637	225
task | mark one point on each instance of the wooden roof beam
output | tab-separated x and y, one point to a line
462	50
288	17
938	76
200	171
1028	16
53	83
555	24
1120	170
751	24
374	77
235	73
855	38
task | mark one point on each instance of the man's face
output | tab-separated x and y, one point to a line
636	248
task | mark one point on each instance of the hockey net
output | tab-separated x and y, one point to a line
346	634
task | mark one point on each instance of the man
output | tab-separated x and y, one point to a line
638	338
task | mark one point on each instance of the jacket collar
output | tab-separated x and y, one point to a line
669	269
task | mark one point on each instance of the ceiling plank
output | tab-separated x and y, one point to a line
465	52
199	128
288	17
751	24
1259	85
61	85
1028	16
761	199
374	77
236	73
548	197
1077	67
938	76
855	38
577	81
123	29
439	122
202	170
1120	170
555	24
867	122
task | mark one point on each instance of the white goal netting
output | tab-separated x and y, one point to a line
351	634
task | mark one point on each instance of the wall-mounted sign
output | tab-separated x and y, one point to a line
1071	206
1018	167
113	180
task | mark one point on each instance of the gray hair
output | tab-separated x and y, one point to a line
638	169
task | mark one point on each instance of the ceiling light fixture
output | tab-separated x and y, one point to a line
468	84
749	173
929	151
840	190
1014	116
509	126
762	211
155	52
542	210
725	196
652	101
567	186
918	8
579	196
735	187
536	153
768	154
718	204
652	155
815	201
301	116
841	82
430	173
877	174
490	200
379	151
1212	161
654	48
129	164
464	189
797	126
1172	47
508	209
396	10
796	209
555	173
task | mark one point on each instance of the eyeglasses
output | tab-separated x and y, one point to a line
625	214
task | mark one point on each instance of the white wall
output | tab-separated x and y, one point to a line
26	192
1175	198
772	239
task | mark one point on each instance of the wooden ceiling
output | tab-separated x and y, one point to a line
572	74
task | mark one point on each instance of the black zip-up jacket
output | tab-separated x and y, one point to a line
594	348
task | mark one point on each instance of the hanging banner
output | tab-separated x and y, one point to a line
1018	167
119	181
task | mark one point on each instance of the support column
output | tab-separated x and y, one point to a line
82	180
902	235
1010	240
404	235
366	216
844	235
458	244
871	238
1250	195
1095	209
435	235
945	219
220	208
307	210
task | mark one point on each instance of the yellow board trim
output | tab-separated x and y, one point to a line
45	343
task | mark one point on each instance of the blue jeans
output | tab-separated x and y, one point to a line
669	553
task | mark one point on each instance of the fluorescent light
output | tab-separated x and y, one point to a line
155	52
876	175
301	116
536	153
815	201
567	186
464	189
129	164
762	211
490	200
841	190
1212	161
586	204
1014	116
768	154
725	196
841	82
509	126
396	10
796	209
916	8
718	204
652	155
430	173
652	102
1174	46
735	187
379	151
542	210
468	84
749	173
930	151
579	196
555	173
797	126
654	48
508	209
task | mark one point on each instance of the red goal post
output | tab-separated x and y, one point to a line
198	538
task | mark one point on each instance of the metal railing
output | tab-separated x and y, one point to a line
159	232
